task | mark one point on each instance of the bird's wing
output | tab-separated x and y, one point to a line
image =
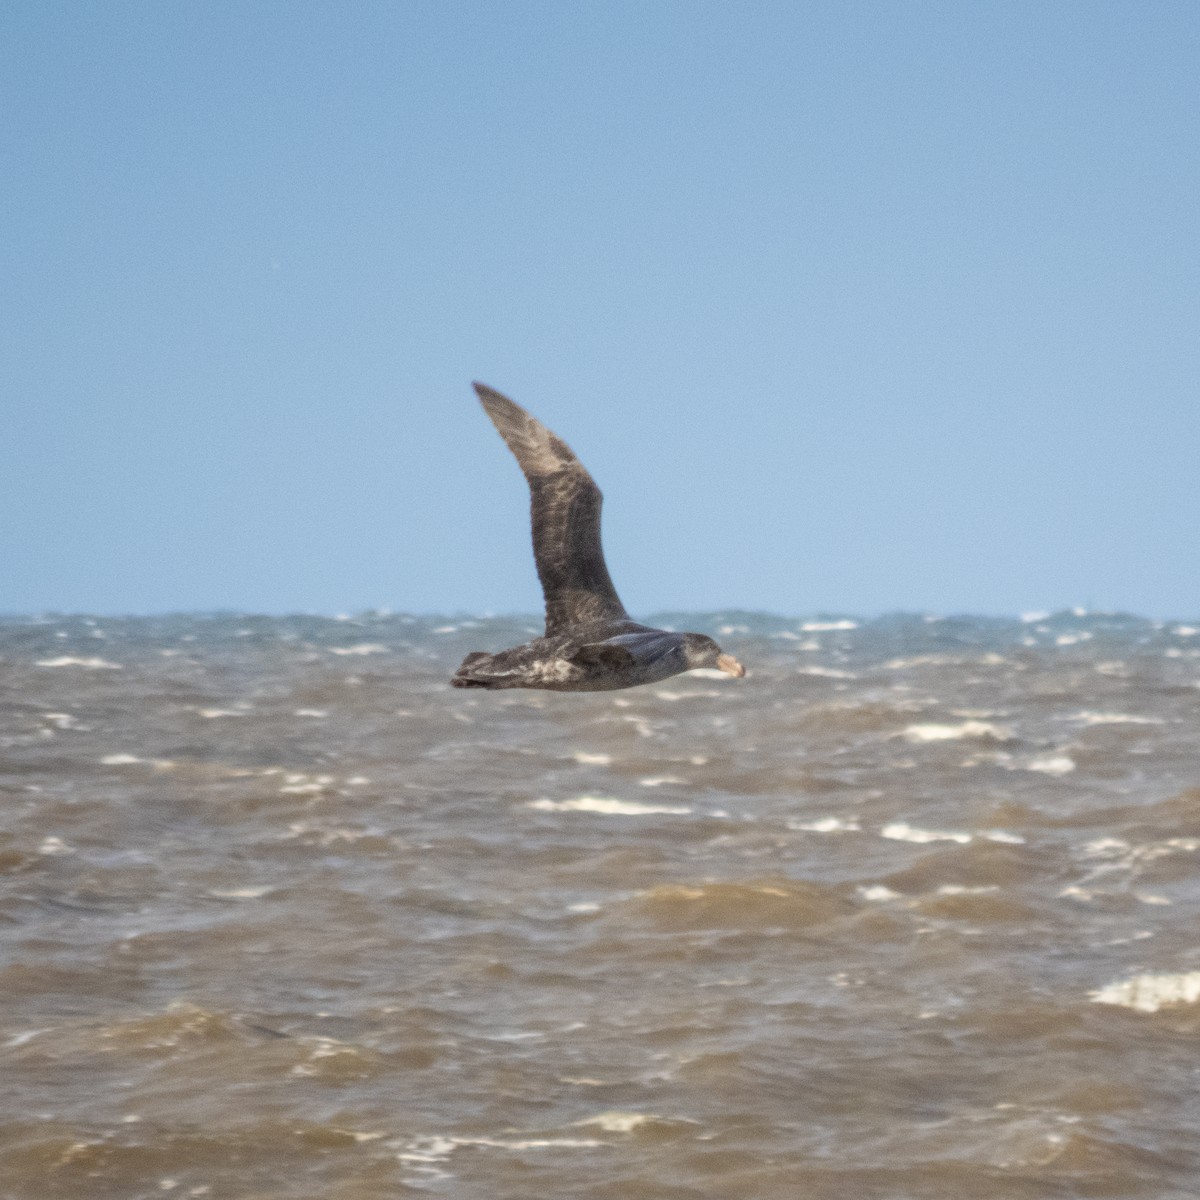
602	654
565	513
627	651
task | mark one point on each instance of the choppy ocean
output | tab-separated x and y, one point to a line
912	911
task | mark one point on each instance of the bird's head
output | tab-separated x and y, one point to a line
699	650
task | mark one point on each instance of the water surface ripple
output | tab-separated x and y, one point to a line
910	912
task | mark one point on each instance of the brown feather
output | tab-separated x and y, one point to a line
565	512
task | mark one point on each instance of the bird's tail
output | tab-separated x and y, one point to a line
472	674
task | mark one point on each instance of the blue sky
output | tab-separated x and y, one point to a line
847	307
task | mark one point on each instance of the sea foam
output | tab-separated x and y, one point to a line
1149	993
607	806
67	660
965	729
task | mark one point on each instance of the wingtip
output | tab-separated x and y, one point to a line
497	405
537	449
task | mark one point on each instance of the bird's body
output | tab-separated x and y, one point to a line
591	644
597	658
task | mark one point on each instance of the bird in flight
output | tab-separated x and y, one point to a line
591	644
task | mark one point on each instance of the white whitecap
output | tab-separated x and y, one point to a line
533	1143
591	760
964	729
878	891
63	721
827	626
360	648
19	1039
608	806
826	825
1106	847
92	664
901	831
1054	765
428	1148
1103	718
616	1121
1149	993
120	760
1075	892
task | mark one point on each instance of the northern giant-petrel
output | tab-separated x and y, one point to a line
590	643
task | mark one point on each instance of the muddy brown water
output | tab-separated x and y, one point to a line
909	912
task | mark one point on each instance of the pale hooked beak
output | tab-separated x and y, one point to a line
730	665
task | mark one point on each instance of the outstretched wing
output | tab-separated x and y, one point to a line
628	651
601	654
565	513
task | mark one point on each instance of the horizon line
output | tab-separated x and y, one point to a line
1032	616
